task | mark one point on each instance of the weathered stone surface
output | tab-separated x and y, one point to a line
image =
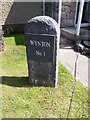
63	14
43	73
66	3
68	13
72	15
63	23
6	7
1	40
63	9
67	9
70	22
72	6
0	13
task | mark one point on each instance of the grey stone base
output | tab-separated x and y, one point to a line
40	82
41	74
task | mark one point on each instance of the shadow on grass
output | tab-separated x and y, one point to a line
19	39
19	82
15	81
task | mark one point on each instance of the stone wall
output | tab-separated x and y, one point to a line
0	13
6	7
1	40
68	14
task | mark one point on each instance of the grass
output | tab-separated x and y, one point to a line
19	100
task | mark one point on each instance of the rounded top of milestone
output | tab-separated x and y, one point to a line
42	25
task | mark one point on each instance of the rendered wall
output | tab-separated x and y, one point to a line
19	12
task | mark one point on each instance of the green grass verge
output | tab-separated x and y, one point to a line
19	100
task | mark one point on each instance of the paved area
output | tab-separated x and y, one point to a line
67	57
70	32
